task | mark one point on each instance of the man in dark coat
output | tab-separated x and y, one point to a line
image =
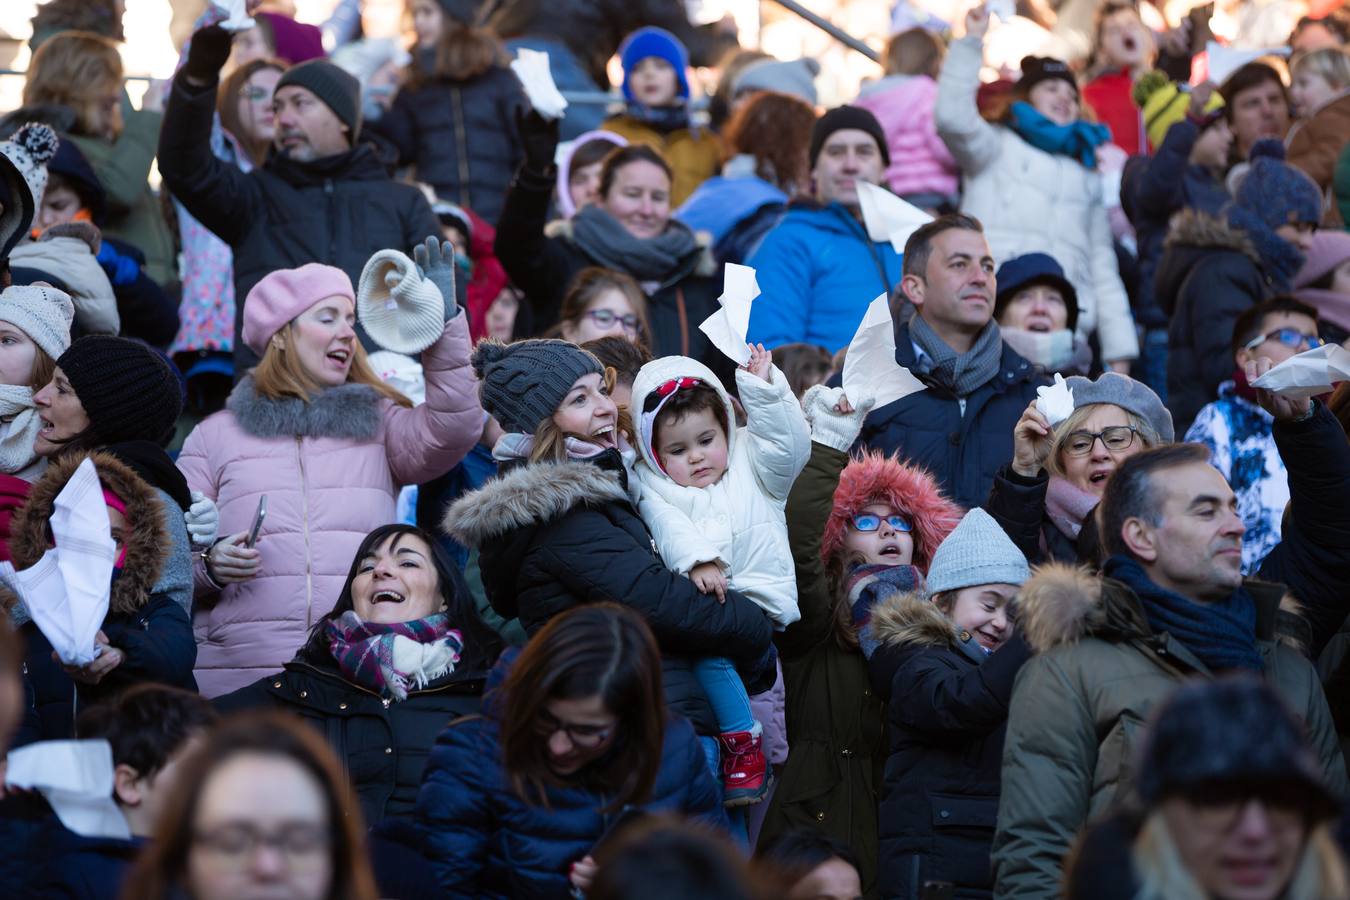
321	196
961	427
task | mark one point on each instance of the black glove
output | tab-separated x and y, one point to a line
539	138
207	54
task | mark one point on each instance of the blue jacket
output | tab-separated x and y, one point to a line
818	272
963	452
720	203
485	842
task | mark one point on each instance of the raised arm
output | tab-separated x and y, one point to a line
780	440
973	141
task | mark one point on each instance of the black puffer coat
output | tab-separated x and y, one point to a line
552	536
461	136
1018	505
948	709
382	744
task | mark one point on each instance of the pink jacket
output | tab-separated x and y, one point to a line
331	470
920	161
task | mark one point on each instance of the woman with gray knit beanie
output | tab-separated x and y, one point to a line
558	528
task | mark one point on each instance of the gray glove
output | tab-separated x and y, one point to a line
435	260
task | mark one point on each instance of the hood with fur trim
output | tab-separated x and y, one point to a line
912	619
658	372
874	477
529	494
145	543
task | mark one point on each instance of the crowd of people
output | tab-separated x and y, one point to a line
447	555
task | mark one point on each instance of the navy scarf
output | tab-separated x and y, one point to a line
1222	635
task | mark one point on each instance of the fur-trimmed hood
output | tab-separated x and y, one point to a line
529	494
348	411
146	542
912	619
1193	228
876	477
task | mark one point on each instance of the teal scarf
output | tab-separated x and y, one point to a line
1078	140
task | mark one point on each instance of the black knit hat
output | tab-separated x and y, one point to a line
338	90
842	117
129	391
524	383
1036	69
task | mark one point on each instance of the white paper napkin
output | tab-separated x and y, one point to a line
1312	372
726	328
531	67
1224	61
870	369
76	778
887	217
1055	401
237	17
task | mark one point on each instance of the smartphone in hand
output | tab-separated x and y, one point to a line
257	522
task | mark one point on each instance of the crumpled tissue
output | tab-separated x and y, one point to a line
726	328
887	217
76	778
1055	401
870	369
1310	374
531	67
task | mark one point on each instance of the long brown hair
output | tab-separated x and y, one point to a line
462	52
597	650
161	871
550	441
587	287
775	129
280	374
227	106
75	69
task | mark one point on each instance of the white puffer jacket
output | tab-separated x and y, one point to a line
1030	201
739	522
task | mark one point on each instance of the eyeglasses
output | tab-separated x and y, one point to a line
301	844
587	737
255	94
866	523
1290	337
1114	438
604	318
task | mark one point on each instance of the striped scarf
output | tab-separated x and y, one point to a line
388	659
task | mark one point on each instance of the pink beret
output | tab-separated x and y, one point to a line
286	293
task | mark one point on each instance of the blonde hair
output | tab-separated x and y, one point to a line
1331	63
1319	875
280	374
77	69
550	441
1055	466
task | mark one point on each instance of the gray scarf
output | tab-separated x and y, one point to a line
960	373
664	259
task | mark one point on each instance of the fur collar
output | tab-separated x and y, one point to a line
1197	229
529	494
707	262
911	619
146	544
349	411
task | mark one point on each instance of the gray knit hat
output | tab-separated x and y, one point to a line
796	77
1130	395
524	383
42	313
339	91
976	552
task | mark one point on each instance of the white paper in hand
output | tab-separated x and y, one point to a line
1224	61
67	590
1311	373
531	67
887	217
726	328
237	17
1003	10
870	369
1055	401
76	778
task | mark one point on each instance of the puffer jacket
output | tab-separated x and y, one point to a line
485	843
1314	142
948	709
736	210
555	535
920	161
818	271
1079	707
737	523
331	469
1031	201
461	136
383	744
694	153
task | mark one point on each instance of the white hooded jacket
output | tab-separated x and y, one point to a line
739	523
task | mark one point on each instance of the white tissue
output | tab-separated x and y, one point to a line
76	778
1003	10
870	369
887	217
1312	372
531	67
237	17
726	328
1055	401
1224	61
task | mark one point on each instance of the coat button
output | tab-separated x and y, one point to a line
820	817
945	814
304	694
388	749
276	684
342	706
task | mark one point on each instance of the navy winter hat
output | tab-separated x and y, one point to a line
1275	192
1036	69
1029	270
653	41
842	117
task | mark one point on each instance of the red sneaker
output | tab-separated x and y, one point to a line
745	773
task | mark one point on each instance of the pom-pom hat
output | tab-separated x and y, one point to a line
524	383
23	180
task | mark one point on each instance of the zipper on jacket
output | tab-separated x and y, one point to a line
304	521
462	144
332	220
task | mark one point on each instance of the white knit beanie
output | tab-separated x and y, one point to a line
400	310
42	313
976	552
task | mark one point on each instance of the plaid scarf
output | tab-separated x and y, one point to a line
389	658
868	584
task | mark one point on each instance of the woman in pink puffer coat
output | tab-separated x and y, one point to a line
316	431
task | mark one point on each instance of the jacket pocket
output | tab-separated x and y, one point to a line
961	811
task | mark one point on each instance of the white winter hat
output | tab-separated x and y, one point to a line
42	312
400	310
